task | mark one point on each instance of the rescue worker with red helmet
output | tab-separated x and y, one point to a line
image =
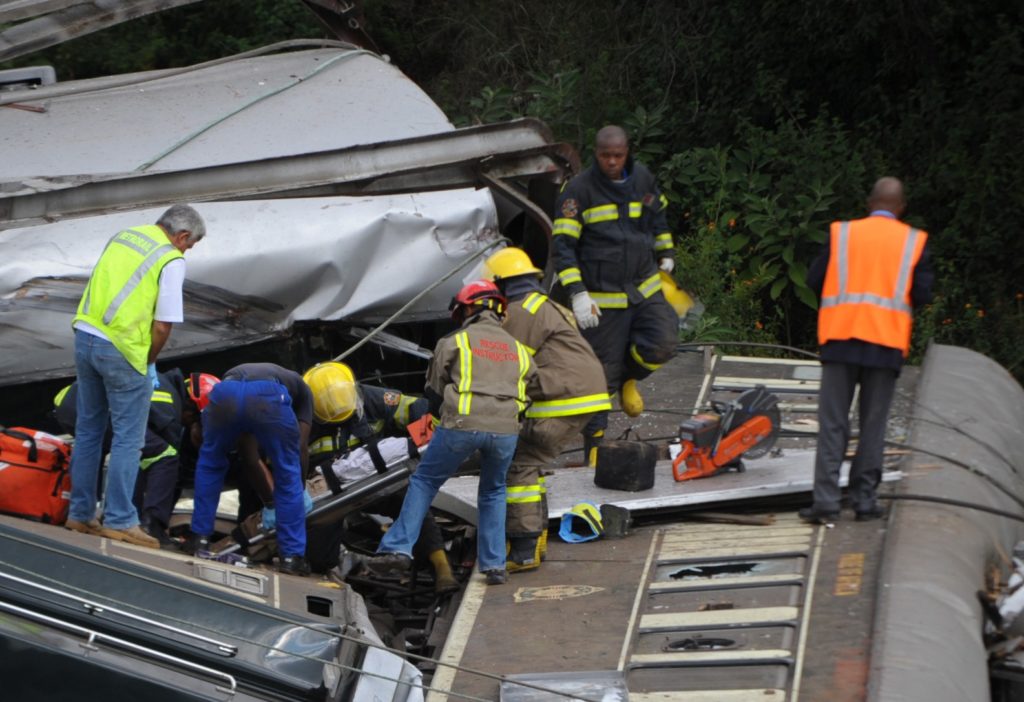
477	383
572	389
610	238
173	410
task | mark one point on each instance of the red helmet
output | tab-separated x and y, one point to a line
198	387
482	294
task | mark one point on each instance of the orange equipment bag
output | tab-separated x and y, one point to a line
35	481
422	430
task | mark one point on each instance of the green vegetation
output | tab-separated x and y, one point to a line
764	122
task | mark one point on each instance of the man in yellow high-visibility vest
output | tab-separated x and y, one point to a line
871	274
124	319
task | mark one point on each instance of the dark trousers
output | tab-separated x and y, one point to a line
631	344
838	382
156	491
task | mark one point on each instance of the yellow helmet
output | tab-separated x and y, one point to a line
334	391
508	263
677	297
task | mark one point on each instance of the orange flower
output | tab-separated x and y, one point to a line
1020	296
732	223
967	306
947	321
758	325
711	226
981	313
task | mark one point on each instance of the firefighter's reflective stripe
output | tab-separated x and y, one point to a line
650	286
663	241
533	302
570	406
601	213
615	300
465	372
524	368
522	494
543	483
162	396
325	444
570	276
167	452
59	397
636	210
640	361
568	227
402	413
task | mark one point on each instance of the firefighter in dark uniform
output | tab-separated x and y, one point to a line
610	238
572	390
347	415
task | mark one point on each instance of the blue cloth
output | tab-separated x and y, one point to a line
447	450
108	386
261	408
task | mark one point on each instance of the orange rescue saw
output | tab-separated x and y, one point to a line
709	443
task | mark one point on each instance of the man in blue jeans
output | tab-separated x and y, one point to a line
477	383
124	318
275	407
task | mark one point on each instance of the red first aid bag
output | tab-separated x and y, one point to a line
35	481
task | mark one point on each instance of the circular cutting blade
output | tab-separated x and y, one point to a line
762	447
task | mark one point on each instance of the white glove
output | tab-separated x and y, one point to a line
586	310
667	264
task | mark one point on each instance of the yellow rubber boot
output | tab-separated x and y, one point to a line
632	401
590	444
521	556
444	581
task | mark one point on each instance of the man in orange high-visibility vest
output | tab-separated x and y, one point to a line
871	273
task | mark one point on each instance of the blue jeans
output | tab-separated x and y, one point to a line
447	450
262	408
108	387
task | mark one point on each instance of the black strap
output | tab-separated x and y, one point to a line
331	479
414	450
33	452
378	460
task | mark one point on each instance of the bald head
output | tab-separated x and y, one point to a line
612	135
611	148
887	195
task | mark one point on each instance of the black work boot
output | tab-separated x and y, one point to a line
388	565
293	565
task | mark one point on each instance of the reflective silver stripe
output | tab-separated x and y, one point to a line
898	301
151	260
570	406
906	265
650	286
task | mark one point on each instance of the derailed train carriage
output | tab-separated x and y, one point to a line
337	196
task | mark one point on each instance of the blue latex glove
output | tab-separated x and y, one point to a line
151	372
269	518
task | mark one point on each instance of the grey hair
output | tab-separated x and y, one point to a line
183	218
